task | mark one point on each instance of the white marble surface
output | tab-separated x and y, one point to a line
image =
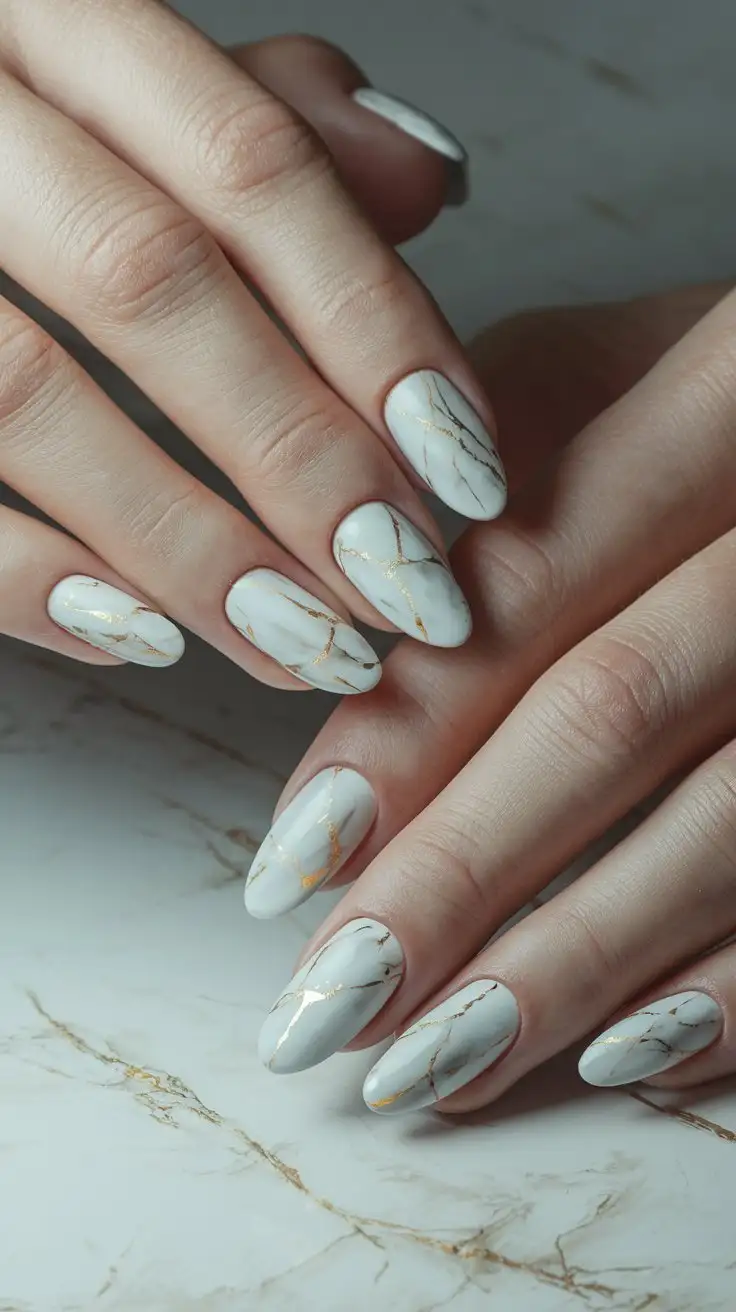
149	1163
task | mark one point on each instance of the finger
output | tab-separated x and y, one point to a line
56	594
66	447
665	894
153	290
401	182
681	1034
263	184
548	574
600	731
551	372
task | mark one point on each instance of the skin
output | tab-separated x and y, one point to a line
149	181
601	669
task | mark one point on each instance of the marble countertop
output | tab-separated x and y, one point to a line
148	1163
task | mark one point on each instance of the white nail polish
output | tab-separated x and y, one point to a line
651	1040
400	572
444	1050
115	622
312	839
443	438
332	998
413	121
301	633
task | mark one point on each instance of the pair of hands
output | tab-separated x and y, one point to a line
147	177
601	669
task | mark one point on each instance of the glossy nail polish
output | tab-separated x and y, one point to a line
399	571
413	121
447	444
445	1050
332	998
301	633
650	1041
312	839
113	621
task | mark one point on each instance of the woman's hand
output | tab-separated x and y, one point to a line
144	176
602	668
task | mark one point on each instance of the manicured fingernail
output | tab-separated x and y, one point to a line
332	998
115	622
444	1050
401	574
301	633
651	1040
444	439
413	121
311	840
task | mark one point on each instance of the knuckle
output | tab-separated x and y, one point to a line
347	303
34	371
711	810
583	940
287	450
609	701
146	262
164	524
253	146
449	870
518	579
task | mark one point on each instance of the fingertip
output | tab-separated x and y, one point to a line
400	164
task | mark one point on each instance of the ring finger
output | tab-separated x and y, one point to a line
601	730
68	450
143	281
664	895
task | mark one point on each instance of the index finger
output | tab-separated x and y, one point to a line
252	170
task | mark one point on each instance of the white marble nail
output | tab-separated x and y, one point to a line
402	575
651	1040
312	839
413	121
444	1050
444	439
115	622
332	998
301	633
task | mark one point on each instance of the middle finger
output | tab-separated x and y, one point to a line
602	729
147	285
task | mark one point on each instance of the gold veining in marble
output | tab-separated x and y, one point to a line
457	432
389	568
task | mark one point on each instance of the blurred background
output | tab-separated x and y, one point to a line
600	136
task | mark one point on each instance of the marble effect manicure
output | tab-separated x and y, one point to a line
447	444
652	1040
111	620
332	998
298	630
399	571
312	839
444	1050
413	121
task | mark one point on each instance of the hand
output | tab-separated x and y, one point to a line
144	176
601	669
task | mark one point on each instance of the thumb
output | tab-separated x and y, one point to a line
399	163
550	372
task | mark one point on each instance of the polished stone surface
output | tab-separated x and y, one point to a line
149	1163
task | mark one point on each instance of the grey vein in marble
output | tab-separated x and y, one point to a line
445	1049
115	622
299	631
310	841
332	998
448	445
653	1039
399	571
